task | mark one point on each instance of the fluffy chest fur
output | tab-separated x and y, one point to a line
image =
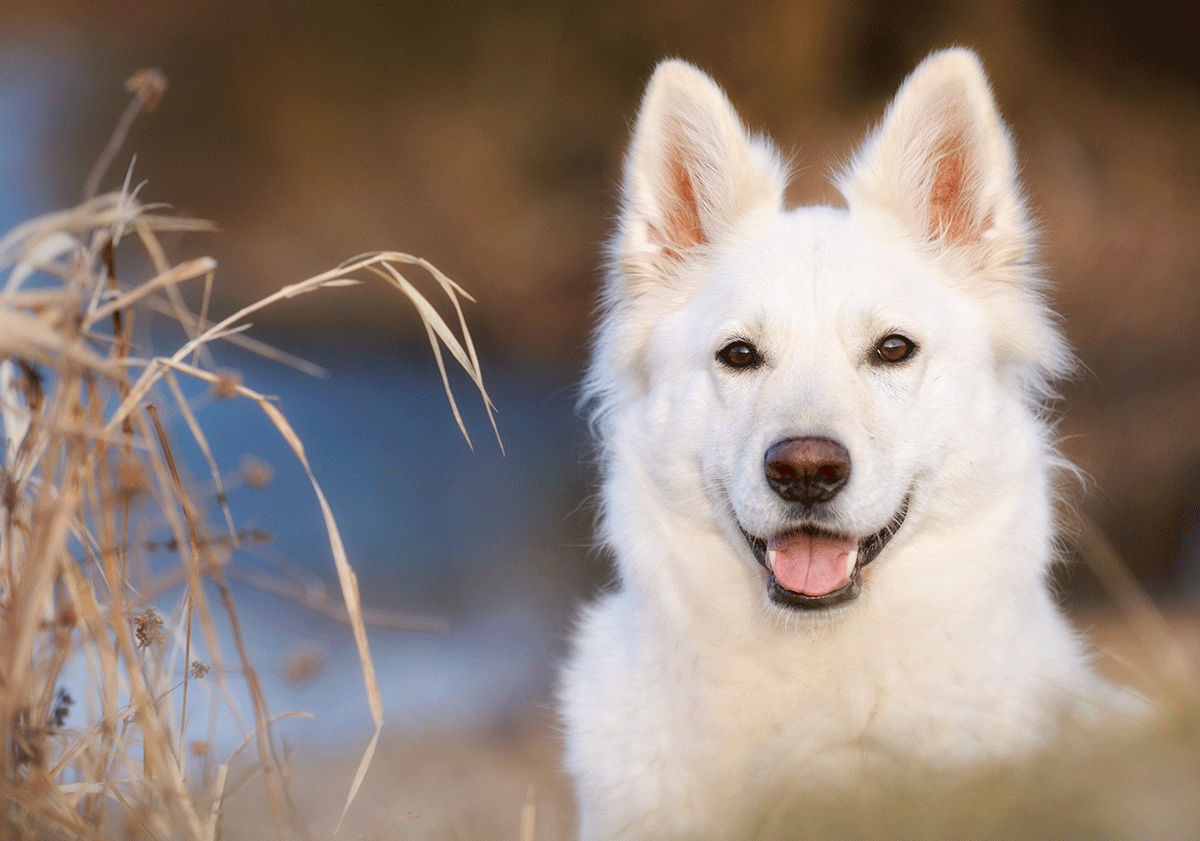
692	722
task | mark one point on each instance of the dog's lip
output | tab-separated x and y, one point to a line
869	548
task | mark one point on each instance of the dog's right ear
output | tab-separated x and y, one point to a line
691	173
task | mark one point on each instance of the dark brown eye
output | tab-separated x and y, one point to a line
894	348
739	354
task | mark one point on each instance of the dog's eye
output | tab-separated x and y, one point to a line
739	354
894	348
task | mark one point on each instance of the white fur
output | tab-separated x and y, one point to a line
691	700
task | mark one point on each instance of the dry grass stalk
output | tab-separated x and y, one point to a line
92	744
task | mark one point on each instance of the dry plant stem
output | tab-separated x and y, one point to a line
321	603
147	86
214	813
315	599
113	550
1168	661
529	816
89	468
175	308
383	264
201	440
268	762
179	531
191	567
29	592
258	699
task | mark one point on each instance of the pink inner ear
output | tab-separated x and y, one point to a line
681	212
950	216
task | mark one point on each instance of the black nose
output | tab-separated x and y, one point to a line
807	470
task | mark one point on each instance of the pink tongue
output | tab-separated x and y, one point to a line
814	565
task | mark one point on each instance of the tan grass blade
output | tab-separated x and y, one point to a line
205	450
346	576
199	267
218	796
529	816
1172	667
360	774
73	550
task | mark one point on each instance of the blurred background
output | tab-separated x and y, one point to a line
488	138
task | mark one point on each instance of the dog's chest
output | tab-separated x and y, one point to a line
817	718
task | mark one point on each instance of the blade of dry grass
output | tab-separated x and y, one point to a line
1166	662
201	440
320	603
218	795
346	576
360	773
200	267
89	470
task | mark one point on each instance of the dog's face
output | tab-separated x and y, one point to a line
827	357
801	376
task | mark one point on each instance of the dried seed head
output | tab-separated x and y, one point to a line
257	473
303	663
148	85
131	478
200	749
61	709
198	669
255	536
148	627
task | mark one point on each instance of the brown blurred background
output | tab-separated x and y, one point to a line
488	137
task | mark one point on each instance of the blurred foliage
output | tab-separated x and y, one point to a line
489	136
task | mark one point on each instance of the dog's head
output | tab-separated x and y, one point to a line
811	377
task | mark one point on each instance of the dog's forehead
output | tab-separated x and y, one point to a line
828	253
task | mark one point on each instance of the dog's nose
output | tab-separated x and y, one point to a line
807	470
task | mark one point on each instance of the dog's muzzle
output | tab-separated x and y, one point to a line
811	568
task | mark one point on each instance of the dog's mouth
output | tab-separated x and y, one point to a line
812	568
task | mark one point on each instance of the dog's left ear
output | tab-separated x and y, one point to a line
942	164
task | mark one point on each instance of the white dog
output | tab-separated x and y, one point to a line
827	472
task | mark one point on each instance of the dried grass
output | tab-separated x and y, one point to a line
94	681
